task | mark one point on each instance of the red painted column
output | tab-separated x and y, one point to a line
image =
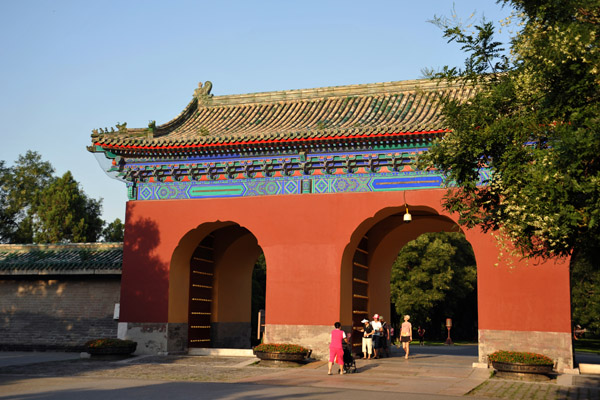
524	305
522	295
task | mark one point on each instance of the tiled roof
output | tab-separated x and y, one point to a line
329	113
61	259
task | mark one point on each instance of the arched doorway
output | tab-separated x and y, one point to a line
220	262
434	278
367	262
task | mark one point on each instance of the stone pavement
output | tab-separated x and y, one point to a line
510	389
430	373
31	357
450	375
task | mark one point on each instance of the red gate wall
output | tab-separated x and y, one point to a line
304	238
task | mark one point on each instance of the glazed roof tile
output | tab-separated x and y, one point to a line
61	259
404	107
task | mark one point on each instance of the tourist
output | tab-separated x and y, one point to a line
376	325
367	340
578	332
336	350
421	333
385	337
406	335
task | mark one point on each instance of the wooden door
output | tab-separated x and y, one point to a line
201	294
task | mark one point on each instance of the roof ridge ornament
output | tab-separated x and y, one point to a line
202	93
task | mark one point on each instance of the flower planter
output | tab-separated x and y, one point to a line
110	348
521	365
277	356
122	350
521	368
281	353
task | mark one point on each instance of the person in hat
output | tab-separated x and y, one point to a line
376	325
367	339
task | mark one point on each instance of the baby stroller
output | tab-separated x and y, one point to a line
349	363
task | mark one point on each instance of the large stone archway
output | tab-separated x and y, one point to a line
308	241
309	173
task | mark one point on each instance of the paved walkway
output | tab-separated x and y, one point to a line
430	373
450	375
509	389
8	358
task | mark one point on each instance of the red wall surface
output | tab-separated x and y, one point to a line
304	239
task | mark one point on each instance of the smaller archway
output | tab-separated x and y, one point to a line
434	278
211	281
367	262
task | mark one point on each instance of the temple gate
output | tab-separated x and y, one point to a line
319	181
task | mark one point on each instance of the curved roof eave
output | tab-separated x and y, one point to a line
390	109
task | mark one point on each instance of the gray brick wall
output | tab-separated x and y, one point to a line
59	313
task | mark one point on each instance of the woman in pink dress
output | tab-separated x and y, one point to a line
336	351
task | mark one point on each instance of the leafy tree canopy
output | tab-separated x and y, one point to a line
585	298
535	123
37	207
6	219
21	187
434	277
65	214
114	231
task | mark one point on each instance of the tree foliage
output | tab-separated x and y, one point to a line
114	231
535	123
37	207
65	214
433	278
21	186
585	301
6	219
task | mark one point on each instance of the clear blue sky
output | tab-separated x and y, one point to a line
67	67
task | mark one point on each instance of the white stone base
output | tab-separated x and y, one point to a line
571	371
313	337
556	345
154	338
221	352
589	368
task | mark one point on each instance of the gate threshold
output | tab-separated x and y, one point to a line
221	352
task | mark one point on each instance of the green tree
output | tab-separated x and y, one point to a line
585	292
36	206
6	217
114	231
535	123
21	186
65	214
434	277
